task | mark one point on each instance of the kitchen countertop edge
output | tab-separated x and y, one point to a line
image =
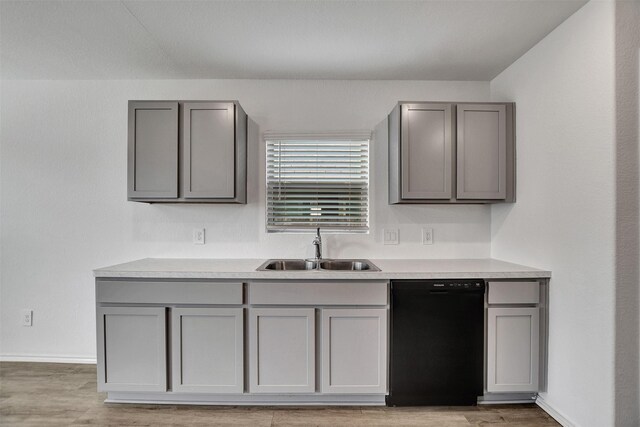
175	268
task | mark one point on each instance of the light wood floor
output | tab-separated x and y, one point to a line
48	394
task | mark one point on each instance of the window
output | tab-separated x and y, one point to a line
318	181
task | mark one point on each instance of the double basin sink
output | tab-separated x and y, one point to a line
322	265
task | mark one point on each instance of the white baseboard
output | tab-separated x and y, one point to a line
171	398
47	359
554	413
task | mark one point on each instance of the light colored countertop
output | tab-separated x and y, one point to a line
193	268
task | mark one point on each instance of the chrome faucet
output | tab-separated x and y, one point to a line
317	242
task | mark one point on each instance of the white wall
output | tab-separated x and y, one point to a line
564	219
64	210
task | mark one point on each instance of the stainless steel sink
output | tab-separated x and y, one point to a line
338	264
288	264
324	264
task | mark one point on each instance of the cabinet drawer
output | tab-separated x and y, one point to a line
514	292
169	292
318	293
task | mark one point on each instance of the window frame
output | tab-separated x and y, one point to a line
363	136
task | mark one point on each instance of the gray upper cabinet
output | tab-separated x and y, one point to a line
205	162
208	149
451	153
426	151
482	151
153	150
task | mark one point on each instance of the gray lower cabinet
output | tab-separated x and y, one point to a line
282	350
206	162
451	153
207	350
191	340
354	350
131	349
513	356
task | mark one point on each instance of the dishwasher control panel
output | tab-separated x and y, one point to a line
455	285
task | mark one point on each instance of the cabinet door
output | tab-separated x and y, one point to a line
282	353
131	349
207	350
209	150
513	349
153	150
426	151
354	351
482	151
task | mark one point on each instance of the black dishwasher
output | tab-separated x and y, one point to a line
437	335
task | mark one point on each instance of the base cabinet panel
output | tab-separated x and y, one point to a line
282	350
131	349
354	351
243	343
207	350
512	349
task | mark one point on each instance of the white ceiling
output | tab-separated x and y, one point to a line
416	40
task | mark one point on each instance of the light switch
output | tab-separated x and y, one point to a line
427	236
26	315
391	236
198	236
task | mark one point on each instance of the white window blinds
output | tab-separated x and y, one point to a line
318	181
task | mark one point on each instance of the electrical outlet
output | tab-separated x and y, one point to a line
26	315
427	236
391	236
198	236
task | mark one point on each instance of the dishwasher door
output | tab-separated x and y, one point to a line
437	342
